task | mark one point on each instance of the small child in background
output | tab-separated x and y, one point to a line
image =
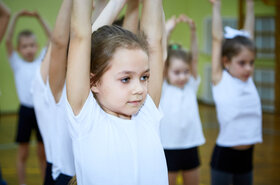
237	101
49	97
113	88
24	64
180	129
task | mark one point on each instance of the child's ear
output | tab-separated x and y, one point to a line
225	62
93	86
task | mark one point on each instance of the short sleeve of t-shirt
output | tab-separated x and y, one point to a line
14	58
42	54
216	86
194	83
80	124
38	83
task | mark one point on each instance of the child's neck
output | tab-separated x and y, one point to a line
116	114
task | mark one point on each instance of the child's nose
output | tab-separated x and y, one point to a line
182	76
248	67
138	87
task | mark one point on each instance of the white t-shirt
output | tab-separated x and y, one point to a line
112	151
63	152
24	73
238	110
180	127
44	112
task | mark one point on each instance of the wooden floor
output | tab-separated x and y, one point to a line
266	157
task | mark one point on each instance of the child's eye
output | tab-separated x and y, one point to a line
144	78
242	63
125	80
177	72
186	71
252	62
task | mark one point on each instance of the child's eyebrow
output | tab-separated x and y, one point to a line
132	72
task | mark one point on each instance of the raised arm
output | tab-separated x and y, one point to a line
109	14
4	19
250	18
11	29
132	16
217	37
59	41
99	5
193	43
164	41
169	26
78	67
153	26
43	23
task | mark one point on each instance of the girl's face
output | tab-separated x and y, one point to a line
122	89
241	66
178	72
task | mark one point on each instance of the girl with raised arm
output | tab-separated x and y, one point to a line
180	129
48	99
237	101
113	87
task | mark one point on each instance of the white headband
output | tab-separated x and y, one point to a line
230	33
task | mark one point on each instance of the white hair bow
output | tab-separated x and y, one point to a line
230	33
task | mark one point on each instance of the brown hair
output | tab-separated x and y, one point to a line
177	51
105	41
25	33
232	47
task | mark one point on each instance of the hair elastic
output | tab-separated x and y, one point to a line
230	33
175	47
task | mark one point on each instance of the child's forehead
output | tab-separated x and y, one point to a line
176	61
129	60
27	39
245	53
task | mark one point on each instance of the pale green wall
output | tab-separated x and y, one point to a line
198	10
48	10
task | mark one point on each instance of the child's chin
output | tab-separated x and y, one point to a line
244	79
133	112
29	59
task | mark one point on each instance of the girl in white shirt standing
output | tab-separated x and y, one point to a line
237	100
180	129
47	91
114	120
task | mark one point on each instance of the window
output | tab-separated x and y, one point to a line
264	35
